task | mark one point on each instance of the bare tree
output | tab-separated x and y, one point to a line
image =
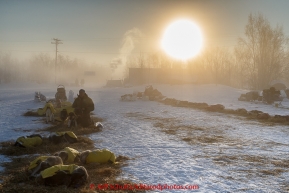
197	67
153	60
141	60
286	67
263	51
41	68
9	69
218	61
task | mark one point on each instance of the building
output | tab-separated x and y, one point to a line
139	76
114	83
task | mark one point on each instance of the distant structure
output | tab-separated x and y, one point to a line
139	76
89	73
114	83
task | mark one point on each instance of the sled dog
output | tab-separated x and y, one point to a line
49	116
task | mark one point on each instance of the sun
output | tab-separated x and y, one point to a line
182	39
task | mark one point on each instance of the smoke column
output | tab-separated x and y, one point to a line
118	64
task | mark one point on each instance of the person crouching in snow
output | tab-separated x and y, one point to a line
97	156
83	105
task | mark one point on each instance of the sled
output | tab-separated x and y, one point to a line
61	93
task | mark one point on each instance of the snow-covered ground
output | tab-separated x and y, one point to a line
173	145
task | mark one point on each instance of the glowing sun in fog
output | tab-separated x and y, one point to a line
182	39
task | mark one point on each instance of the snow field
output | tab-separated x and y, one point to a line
173	145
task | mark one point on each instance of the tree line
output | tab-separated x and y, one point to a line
40	68
259	57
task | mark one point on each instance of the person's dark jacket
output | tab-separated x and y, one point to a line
83	105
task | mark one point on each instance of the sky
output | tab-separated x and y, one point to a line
97	30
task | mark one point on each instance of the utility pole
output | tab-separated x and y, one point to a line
56	42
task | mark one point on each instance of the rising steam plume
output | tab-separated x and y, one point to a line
129	42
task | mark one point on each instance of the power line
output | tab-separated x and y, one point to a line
25	51
212	36
83	40
56	42
103	53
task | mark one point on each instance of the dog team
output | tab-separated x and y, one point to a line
61	168
79	112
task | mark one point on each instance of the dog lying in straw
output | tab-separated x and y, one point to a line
68	155
97	156
63	137
43	162
68	175
29	141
